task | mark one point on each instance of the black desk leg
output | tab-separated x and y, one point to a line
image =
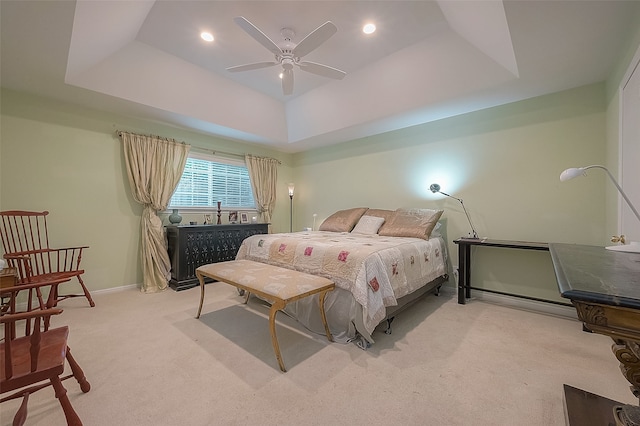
464	252
467	271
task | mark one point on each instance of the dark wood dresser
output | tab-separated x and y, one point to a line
191	246
604	287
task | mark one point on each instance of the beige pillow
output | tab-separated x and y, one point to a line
342	220
368	225
416	223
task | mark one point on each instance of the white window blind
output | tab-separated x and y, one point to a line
208	179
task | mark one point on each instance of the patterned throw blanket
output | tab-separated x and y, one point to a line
376	270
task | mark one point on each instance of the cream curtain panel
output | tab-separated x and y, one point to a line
154	167
263	172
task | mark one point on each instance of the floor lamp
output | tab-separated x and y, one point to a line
574	172
291	186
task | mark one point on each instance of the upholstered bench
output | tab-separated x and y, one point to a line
278	286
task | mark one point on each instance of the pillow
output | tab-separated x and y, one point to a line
416	223
368	225
436	231
387	215
342	220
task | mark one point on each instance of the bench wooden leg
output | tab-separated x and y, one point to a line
324	316
201	279
272	327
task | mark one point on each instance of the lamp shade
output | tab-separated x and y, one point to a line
572	173
291	187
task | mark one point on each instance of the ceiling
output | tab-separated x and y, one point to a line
426	61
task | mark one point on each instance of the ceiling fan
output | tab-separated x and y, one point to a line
288	53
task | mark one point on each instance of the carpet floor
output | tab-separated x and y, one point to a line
150	362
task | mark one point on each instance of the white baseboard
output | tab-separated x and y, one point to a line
21	306
117	289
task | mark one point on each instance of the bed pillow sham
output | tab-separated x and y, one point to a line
343	220
387	215
416	223
368	225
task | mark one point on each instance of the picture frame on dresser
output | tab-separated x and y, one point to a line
244	217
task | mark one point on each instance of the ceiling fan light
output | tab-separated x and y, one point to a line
206	36
369	28
287	64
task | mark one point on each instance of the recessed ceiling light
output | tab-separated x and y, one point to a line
206	36
369	29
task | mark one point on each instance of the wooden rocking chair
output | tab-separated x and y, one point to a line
26	246
33	362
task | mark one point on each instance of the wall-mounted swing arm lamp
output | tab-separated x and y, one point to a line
291	188
436	188
582	171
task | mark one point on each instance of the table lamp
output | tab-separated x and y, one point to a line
574	172
436	188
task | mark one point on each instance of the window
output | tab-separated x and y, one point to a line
207	179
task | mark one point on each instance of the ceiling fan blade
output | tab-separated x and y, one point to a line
287	81
258	35
323	70
315	39
249	67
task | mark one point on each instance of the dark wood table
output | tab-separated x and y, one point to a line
604	287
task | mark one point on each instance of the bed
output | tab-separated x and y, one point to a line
380	261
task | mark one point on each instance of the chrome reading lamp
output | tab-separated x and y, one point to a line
436	188
574	172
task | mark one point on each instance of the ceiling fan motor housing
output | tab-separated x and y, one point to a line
287	46
288	54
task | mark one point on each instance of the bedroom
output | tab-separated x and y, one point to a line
62	157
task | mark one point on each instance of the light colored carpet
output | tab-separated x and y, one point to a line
150	362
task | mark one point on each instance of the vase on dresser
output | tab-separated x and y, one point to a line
174	217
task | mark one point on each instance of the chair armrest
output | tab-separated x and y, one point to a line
25	254
6	318
69	248
19	256
20	287
45	261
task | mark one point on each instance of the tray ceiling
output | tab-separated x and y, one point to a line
426	61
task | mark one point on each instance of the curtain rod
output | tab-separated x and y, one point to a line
215	151
121	132
197	148
228	154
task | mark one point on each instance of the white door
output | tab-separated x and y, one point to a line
630	153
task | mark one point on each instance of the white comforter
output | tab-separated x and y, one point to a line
376	270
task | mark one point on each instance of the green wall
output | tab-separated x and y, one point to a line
504	162
69	161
